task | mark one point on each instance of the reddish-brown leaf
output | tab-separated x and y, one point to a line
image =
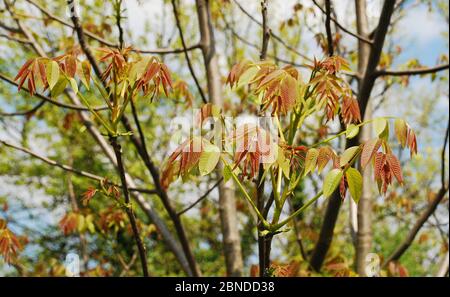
288	92
71	65
369	149
394	165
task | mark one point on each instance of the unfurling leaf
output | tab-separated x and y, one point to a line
86	74
369	149
395	167
412	142
9	243
401	130
325	155
208	159
331	182
88	195
355	183
311	160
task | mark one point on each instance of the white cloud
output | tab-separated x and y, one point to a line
421	26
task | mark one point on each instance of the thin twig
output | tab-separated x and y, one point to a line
274	36
419	71
16	39
50	100
128	207
186	54
204	196
69	168
26	112
161	51
359	37
266	31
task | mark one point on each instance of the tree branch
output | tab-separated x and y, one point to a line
161	51
266	31
128	207
359	37
328	27
419	71
274	36
69	168
50	100
186	54
204	196
26	112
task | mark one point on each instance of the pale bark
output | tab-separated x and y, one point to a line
227	201
364	230
443	269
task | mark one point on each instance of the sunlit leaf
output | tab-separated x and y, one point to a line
331	182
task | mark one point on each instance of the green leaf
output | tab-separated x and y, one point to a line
352	131
355	183
81	224
401	129
380	125
52	72
311	160
90	223
138	69
208	159
247	76
331	182
84	73
226	173
73	84
283	163
59	87
348	155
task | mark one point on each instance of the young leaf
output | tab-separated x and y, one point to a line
348	155
355	182
247	76
226	173
395	167
311	160
73	84
52	71
401	130
331	182
59	87
369	149
208	159
352	131
86	74
325	154
380	125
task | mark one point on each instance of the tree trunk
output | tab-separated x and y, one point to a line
364	230
367	81
227	201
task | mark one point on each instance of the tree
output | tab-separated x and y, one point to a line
105	105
